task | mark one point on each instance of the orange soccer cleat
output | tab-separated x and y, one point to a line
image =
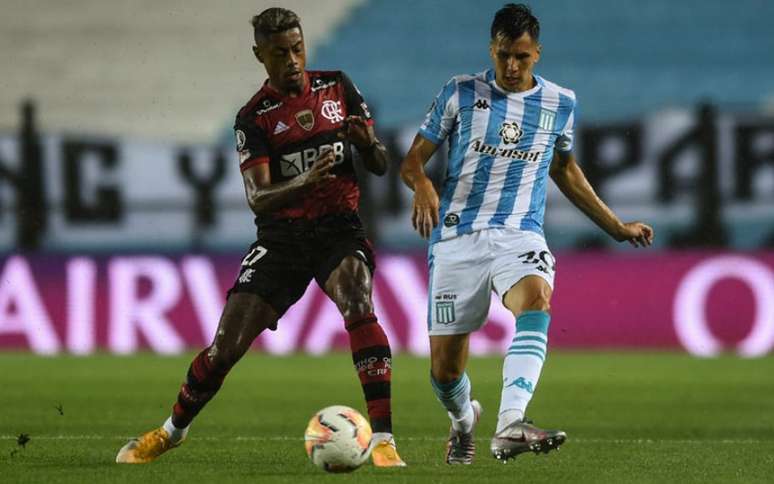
385	454
146	448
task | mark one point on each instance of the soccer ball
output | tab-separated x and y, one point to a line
338	439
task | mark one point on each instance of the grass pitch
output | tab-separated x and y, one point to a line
629	418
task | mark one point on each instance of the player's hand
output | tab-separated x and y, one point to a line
425	212
357	131
636	233
321	168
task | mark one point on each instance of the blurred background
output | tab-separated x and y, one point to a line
122	211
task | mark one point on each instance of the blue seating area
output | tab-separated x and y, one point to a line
623	57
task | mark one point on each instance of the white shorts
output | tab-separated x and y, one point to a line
464	271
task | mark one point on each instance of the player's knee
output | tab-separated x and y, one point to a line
355	305
538	301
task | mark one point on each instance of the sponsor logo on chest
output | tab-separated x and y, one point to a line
293	164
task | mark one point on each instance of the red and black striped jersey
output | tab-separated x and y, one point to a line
289	132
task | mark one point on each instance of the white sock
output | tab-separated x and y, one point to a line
508	417
378	437
176	435
465	423
522	366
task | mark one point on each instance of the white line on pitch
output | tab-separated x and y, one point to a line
282	438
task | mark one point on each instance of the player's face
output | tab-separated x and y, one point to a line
513	61
284	56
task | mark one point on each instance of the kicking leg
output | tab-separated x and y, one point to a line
529	301
244	317
349	287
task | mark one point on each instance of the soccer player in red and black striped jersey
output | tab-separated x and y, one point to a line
295	139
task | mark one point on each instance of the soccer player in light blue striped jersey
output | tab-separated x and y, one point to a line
508	131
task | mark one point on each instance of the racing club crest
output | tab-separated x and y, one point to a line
305	119
510	132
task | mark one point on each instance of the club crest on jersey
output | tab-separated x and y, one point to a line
451	220
510	132
331	110
547	119
305	119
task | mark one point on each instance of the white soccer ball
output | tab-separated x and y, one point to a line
338	439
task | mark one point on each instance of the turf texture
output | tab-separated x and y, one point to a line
630	417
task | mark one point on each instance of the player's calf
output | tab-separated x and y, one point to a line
204	379
372	358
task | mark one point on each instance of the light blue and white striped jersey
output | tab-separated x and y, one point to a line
500	147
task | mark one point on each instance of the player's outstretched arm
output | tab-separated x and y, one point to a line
265	197
570	179
424	215
371	150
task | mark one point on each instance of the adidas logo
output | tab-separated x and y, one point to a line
280	127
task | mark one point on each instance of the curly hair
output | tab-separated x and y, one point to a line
272	21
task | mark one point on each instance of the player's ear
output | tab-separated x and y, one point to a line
538	49
257	53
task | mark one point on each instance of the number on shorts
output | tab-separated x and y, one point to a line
548	260
544	260
254	255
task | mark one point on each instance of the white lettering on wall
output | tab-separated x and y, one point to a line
327	323
22	310
405	281
690	319
285	339
204	293
81	338
131	314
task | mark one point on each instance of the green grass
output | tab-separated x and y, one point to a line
629	418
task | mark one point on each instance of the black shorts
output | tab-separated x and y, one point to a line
288	254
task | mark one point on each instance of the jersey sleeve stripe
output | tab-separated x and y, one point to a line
430	136
253	162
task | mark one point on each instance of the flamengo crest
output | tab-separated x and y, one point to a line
305	119
510	132
331	110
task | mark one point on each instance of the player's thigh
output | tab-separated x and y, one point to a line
244	317
349	287
523	270
448	356
278	271
344	264
460	285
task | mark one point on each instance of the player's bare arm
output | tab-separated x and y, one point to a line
265	197
371	150
424	215
569	177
